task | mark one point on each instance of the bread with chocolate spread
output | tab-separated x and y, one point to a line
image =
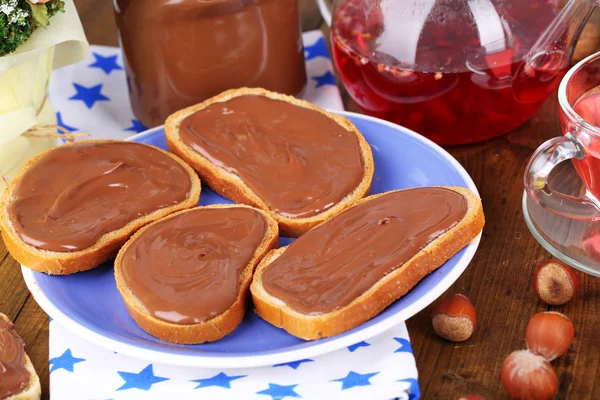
72	207
18	379
185	278
350	268
283	155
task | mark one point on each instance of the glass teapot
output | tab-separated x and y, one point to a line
456	71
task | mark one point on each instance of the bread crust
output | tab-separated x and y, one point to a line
379	296
33	391
106	248
214	328
231	186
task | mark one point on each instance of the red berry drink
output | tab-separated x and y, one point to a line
588	108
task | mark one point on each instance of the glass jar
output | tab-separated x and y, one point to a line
180	52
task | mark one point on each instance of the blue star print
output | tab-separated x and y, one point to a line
89	95
318	49
278	392
220	380
326	79
413	392
358	345
404	346
60	122
136	126
355	379
66	361
293	364
144	380
106	64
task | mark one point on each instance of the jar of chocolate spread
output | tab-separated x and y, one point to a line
181	52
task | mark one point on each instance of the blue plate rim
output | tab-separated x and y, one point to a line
272	357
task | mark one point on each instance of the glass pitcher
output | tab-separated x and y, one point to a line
456	71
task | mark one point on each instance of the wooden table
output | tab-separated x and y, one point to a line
498	281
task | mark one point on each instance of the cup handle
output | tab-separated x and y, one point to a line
545	158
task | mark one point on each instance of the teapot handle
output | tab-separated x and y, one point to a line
560	37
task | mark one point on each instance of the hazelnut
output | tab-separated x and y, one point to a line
454	318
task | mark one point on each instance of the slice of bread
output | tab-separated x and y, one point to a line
214	328
231	186
387	290
33	391
106	248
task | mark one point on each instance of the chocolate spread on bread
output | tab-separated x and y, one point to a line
297	160
75	194
186	269
331	265
179	53
14	377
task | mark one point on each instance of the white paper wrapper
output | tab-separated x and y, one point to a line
24	79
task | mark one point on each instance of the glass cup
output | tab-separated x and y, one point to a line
580	143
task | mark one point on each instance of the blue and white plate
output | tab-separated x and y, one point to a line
89	304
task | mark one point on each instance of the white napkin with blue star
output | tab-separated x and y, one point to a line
92	97
380	368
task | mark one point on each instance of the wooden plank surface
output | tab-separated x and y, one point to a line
498	281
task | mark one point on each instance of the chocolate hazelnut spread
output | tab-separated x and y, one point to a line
331	265
75	194
297	160
179	53
186	269
14	377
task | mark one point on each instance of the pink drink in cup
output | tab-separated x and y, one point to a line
579	108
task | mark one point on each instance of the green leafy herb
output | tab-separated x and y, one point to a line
39	12
19	18
54	7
